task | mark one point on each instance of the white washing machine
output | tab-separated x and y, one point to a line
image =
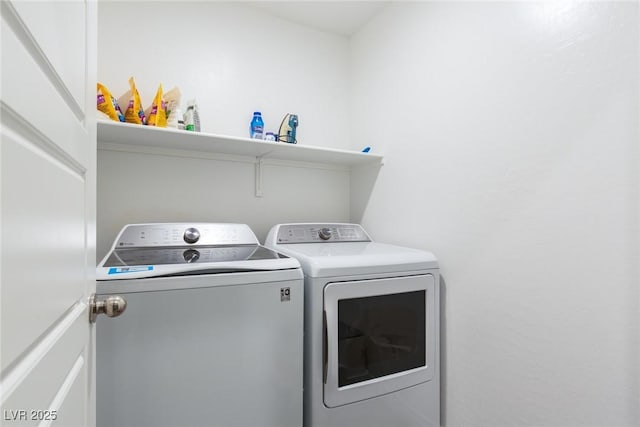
212	333
371	328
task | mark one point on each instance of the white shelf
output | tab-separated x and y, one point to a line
122	135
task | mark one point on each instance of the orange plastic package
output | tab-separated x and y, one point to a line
108	104
134	112
157	112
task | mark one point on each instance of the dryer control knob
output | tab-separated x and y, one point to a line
191	235
325	233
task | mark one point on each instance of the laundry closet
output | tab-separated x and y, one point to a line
503	138
234	59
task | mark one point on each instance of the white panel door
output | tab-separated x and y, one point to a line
47	212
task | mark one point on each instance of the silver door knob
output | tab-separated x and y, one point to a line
112	306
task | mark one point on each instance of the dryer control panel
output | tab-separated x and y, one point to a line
321	233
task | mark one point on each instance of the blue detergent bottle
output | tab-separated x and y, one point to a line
257	126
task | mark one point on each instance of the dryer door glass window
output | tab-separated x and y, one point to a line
380	335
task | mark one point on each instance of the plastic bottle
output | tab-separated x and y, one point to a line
192	117
257	125
188	119
174	119
196	116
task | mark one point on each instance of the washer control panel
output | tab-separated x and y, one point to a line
321	233
185	234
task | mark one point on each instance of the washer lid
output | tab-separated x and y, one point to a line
187	255
177	249
156	262
355	258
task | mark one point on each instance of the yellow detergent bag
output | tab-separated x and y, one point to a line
108	104
157	113
134	112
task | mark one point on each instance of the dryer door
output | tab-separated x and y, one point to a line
380	336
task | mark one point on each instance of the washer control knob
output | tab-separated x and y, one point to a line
191	255
191	235
325	233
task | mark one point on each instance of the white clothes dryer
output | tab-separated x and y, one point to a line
371	340
212	333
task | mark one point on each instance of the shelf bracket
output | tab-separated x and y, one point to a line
258	173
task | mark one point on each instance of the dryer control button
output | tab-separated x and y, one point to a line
191	235
325	233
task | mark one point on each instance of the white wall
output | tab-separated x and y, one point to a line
208	190
510	134
235	60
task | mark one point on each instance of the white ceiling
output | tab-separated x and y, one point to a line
338	17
